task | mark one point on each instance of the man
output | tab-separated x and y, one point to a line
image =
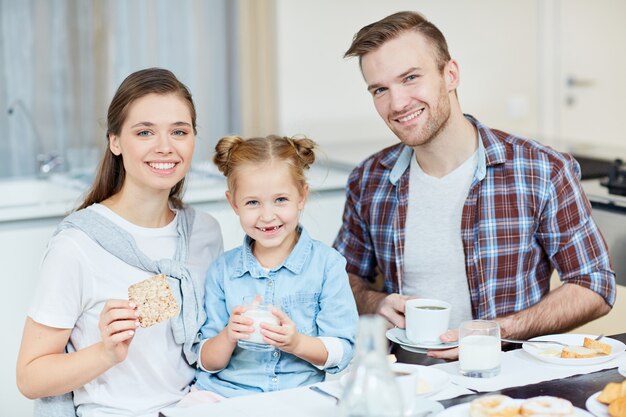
461	212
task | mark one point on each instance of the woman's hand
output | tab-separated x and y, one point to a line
282	335
239	327
118	321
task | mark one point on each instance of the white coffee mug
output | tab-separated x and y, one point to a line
426	320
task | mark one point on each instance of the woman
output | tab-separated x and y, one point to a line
82	333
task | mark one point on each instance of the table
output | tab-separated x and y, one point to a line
576	388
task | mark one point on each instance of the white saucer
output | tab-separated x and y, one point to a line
622	369
398	335
422	407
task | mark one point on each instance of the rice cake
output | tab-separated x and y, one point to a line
154	300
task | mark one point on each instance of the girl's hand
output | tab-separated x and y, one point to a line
239	326
118	321
283	335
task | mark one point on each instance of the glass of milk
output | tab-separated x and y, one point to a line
480	352
259	313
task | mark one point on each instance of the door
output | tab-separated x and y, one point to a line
592	76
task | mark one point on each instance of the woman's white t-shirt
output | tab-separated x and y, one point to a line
78	277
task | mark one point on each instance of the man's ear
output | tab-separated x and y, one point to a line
114	145
231	201
451	75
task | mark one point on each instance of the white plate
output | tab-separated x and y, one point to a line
571	339
398	335
429	380
462	410
622	369
596	407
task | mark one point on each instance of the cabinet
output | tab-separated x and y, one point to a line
22	244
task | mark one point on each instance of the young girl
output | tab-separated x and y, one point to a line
132	225
304	280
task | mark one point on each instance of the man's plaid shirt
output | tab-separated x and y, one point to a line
525	215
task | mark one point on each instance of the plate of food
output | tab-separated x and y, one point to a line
429	380
398	335
613	397
596	407
580	349
502	405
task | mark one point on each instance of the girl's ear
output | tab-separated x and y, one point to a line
304	195
231	201
114	145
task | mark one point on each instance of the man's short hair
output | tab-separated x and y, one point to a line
374	35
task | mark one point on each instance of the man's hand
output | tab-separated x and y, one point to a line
448	354
368	301
392	308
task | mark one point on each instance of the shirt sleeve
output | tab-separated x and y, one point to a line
571	238
335	352
214	301
58	298
337	318
353	240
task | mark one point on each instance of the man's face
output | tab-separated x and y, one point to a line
410	93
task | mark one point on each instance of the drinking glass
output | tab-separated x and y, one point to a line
260	313
480	353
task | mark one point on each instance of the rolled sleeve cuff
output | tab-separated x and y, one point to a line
199	363
335	352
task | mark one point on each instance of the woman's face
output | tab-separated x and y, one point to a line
156	142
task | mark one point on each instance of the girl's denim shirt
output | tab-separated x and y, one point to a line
311	287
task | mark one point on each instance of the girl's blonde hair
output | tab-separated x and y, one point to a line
231	152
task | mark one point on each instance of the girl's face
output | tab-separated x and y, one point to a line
268	203
156	143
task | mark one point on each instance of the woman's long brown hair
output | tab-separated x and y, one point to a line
111	173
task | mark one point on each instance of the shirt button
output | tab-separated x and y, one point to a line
270	283
274	379
275	353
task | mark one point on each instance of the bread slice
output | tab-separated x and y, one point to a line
603	348
154	300
578	352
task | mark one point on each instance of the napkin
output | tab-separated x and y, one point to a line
519	368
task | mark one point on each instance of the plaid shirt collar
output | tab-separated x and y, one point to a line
490	152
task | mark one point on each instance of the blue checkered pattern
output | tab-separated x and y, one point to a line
525	216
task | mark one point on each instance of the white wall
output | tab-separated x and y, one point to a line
324	96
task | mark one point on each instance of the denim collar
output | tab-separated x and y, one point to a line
247	263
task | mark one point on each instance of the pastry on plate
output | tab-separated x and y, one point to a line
600	347
578	352
618	408
494	406
547	406
612	391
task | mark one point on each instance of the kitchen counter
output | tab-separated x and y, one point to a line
609	213
31	198
599	196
